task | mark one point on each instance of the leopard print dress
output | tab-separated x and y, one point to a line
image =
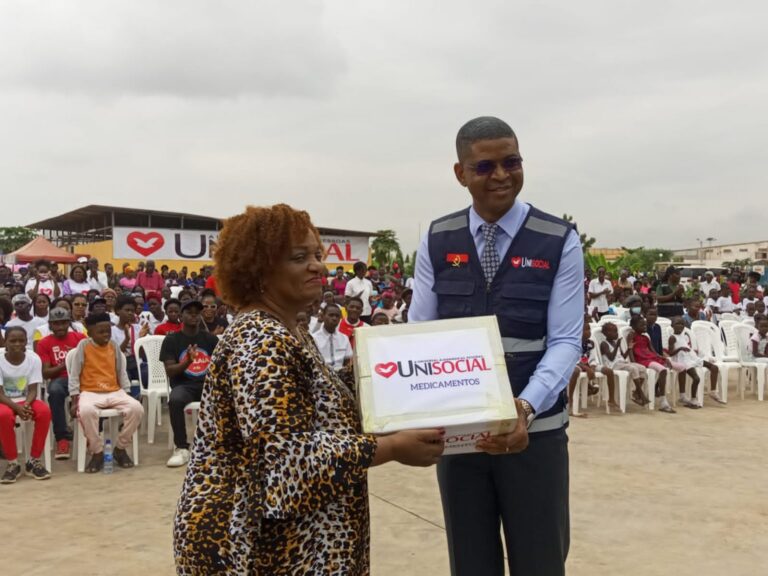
276	483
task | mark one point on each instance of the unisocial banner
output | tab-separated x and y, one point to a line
170	244
163	244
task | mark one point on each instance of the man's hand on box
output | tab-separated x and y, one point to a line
512	443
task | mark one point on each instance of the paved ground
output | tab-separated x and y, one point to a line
652	494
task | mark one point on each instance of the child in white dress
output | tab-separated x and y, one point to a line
685	361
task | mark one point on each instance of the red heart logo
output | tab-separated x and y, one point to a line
386	369
145	244
516	261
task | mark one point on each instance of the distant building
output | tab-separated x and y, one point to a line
128	235
714	256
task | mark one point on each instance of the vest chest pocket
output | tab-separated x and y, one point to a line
454	298
521	302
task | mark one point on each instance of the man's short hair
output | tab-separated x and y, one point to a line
172	301
482	128
355	299
123	301
94	319
332	305
358	265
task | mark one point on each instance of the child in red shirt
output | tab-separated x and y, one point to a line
642	352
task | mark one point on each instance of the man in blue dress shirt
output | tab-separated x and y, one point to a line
504	257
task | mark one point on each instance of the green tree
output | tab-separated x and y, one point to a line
643	259
14	237
386	249
744	263
586	241
595	261
409	266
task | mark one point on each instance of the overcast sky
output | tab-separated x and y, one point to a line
648	121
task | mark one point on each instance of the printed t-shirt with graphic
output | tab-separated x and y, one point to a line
47	287
54	350
17	378
174	348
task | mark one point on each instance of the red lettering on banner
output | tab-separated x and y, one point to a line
145	243
335	250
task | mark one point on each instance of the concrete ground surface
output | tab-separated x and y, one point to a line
651	494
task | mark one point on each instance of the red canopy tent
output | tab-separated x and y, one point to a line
41	249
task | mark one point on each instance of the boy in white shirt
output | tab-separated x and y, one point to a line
362	288
333	345
599	289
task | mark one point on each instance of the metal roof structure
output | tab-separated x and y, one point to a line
94	223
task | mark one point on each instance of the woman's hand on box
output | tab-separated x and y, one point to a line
411	447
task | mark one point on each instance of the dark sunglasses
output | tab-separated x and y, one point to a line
487	167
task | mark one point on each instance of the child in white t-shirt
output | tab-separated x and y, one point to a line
724	303
616	356
759	341
21	373
589	365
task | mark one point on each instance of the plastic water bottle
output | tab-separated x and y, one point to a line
109	464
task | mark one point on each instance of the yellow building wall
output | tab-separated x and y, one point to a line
103	251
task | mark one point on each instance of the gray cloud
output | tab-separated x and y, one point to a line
647	122
190	48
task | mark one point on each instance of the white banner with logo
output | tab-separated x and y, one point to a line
163	244
447	373
169	244
345	249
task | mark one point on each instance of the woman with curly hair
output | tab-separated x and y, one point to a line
276	483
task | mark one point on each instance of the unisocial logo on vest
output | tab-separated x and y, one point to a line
525	262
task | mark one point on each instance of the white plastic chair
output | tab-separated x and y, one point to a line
193	409
613	320
664	322
729	337
729	316
110	414
711	348
24	433
157	385
743	334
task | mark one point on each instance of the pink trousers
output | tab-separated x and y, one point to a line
88	413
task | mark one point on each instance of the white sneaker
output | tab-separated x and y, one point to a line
685	401
716	397
665	407
180	458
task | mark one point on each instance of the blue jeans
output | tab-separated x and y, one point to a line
58	391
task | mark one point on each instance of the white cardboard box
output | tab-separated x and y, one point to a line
445	373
